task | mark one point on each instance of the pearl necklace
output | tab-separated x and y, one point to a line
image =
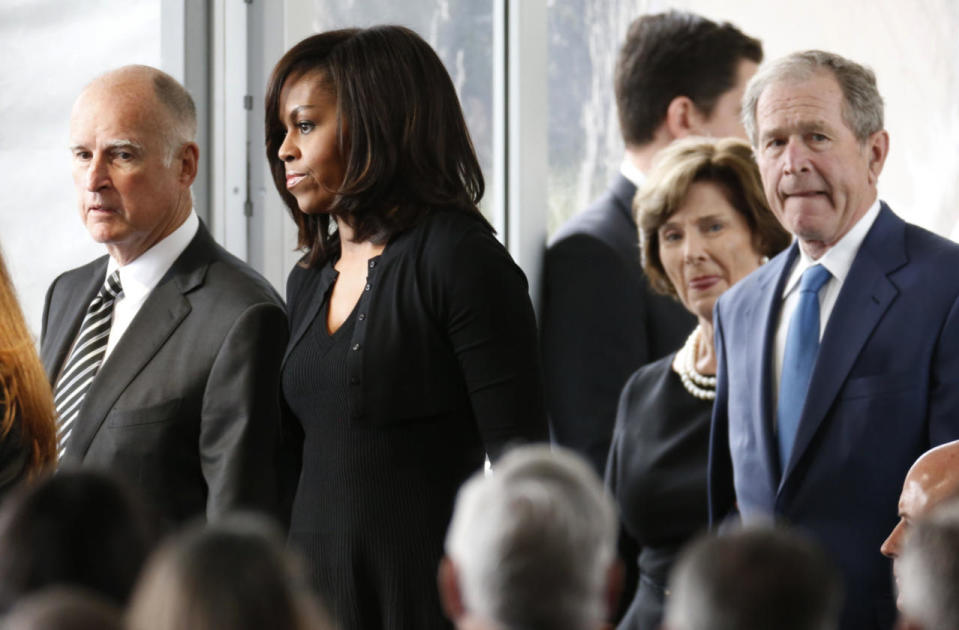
699	385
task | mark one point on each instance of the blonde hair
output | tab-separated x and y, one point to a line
727	162
25	394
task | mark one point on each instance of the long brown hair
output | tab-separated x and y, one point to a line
25	395
408	149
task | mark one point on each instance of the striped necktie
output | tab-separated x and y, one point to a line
85	359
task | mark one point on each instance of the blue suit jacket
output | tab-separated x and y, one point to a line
884	389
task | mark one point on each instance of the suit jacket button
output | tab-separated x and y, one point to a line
367	287
362	316
356	347
372	264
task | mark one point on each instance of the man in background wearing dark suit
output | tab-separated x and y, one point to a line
678	74
164	355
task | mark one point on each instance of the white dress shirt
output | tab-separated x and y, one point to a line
633	174
837	259
139	277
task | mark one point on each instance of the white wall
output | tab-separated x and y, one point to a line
49	50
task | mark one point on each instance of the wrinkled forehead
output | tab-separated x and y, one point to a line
105	112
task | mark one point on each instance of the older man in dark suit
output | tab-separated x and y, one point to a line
165	354
839	359
678	74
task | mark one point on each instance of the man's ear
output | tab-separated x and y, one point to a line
683	118
450	596
188	158
878	147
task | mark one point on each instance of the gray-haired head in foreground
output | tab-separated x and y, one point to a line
753	579
929	570
862	105
534	541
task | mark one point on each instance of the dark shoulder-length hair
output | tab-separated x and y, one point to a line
400	129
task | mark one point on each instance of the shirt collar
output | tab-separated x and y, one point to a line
838	258
633	174
141	275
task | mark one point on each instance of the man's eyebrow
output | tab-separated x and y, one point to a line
805	126
112	145
123	144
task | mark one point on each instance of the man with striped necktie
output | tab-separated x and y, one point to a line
165	354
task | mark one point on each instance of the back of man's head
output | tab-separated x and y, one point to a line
672	54
532	545
753	579
928	571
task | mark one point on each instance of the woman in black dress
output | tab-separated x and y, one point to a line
704	225
413	344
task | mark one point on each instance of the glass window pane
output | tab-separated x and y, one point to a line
461	32
585	146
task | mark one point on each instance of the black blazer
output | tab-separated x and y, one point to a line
601	321
186	406
445	325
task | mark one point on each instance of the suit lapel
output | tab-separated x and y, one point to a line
64	325
865	296
161	314
769	305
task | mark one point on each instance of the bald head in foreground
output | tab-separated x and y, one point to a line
531	546
931	481
928	567
165	353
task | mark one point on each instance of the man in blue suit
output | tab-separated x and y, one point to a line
839	359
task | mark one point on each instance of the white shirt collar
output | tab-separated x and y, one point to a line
633	174
838	258
141	275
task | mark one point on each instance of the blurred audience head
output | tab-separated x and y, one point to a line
531	546
681	74
26	401
235	574
60	608
753	579
928	572
933	479
728	164
398	146
81	529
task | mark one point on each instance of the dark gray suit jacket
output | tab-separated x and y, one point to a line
600	321
186	406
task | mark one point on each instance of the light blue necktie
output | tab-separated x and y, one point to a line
802	344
